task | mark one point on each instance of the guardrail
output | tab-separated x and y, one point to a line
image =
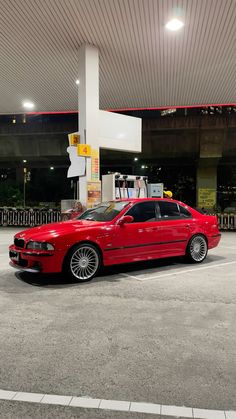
35	217
227	221
28	217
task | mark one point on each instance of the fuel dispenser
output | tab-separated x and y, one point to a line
119	186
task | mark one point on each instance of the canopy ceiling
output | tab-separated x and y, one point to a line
142	64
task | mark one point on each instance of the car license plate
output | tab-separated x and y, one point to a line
14	255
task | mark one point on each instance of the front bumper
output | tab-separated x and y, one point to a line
31	270
35	261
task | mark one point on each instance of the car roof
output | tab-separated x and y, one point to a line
147	199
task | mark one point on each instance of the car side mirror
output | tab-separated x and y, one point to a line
125	220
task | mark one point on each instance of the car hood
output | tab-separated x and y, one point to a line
51	231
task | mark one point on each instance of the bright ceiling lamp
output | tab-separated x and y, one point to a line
174	25
28	105
77	82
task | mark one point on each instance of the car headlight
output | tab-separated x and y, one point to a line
39	246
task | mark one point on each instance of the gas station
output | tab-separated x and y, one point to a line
110	101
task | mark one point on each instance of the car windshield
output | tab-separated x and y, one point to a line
106	211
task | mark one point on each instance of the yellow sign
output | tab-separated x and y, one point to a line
206	198
95	164
74	139
94	194
84	150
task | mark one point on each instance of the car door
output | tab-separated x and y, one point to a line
174	228
136	241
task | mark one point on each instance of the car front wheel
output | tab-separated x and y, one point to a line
83	262
197	249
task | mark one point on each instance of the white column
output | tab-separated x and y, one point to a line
88	107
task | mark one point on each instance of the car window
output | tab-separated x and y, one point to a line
168	209
106	211
143	212
184	213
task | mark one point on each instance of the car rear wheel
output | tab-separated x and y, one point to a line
83	262
197	249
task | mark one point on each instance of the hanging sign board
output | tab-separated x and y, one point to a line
74	139
84	150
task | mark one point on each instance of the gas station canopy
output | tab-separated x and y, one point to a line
142	63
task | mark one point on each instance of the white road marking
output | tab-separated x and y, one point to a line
140	278
124	406
130	276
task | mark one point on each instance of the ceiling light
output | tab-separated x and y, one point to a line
14	120
24	161
28	105
143	167
168	111
136	159
174	25
77	81
51	168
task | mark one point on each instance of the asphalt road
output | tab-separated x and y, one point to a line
161	332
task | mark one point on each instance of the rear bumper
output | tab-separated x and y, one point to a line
35	262
214	240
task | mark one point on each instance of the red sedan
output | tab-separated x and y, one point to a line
116	232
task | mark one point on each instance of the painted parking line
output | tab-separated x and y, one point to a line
181	272
130	276
120	405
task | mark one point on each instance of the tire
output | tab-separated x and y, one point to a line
197	249
83	262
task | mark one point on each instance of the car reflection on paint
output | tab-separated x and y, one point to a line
116	232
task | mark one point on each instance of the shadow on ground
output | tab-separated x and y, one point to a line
114	273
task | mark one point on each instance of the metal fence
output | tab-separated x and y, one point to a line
227	221
28	217
34	217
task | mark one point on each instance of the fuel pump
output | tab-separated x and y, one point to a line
118	186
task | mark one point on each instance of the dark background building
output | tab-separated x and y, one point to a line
186	150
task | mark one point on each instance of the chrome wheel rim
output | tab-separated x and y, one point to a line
84	262
198	248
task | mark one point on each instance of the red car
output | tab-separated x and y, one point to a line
116	232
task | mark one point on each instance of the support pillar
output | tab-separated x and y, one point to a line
207	183
88	109
211	142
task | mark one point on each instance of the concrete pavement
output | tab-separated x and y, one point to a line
161	332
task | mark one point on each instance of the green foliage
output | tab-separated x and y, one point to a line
10	194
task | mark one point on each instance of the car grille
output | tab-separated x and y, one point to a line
19	243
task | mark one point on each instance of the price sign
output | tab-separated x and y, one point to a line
84	150
95	165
